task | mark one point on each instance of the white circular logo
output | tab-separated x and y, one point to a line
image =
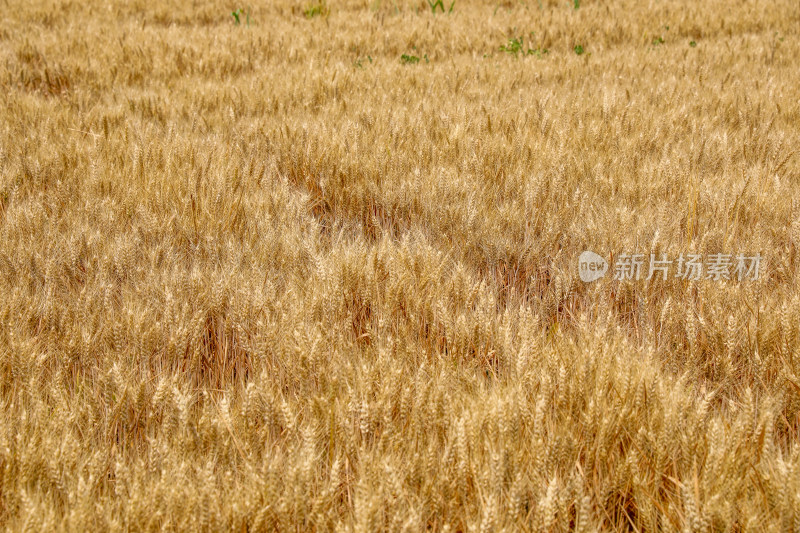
591	266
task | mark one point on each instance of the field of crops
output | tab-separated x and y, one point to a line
313	266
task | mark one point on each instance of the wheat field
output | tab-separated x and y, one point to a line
314	266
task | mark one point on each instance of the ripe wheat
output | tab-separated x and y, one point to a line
252	280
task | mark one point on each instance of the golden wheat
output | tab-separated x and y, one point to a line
269	275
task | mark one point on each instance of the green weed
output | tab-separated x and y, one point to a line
440	4
516	46
434	5
319	8
358	63
237	17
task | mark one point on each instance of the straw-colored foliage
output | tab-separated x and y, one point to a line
269	275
